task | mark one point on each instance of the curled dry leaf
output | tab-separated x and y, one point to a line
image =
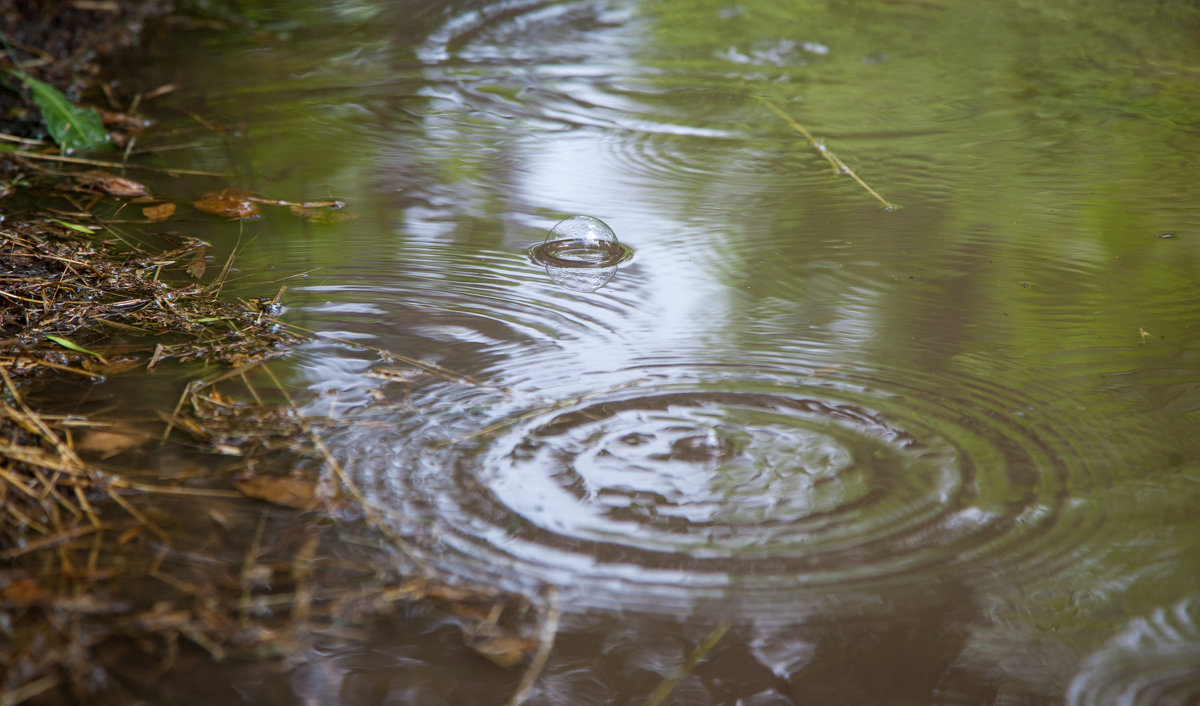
159	212
234	204
110	184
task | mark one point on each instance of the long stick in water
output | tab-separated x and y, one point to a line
838	165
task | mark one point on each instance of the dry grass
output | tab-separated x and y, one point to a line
247	562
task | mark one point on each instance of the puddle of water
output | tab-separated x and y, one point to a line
936	455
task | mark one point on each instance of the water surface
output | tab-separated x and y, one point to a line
942	453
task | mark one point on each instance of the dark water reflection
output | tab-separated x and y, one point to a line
947	454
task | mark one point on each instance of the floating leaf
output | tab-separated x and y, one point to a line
73	346
72	127
159	212
229	203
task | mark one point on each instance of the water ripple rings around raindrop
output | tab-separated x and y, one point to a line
493	20
773	491
1155	661
522	61
439	294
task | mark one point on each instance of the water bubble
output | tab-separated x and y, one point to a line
580	253
585	230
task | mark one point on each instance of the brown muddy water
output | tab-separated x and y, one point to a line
946	453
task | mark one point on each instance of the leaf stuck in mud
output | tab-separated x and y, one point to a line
233	204
72	127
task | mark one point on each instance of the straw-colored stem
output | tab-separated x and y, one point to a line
839	167
710	641
545	643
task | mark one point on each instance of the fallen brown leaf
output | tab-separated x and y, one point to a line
159	212
508	651
106	443
234	204
110	184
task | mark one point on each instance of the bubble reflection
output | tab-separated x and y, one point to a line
581	253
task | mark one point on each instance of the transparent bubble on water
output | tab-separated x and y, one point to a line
580	253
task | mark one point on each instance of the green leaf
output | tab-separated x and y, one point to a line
74	226
73	346
72	127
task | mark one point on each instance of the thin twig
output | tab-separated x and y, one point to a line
29	690
710	641
368	510
839	167
432	368
249	564
115	165
545	644
45	542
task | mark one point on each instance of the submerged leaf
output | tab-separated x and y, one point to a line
72	127
199	263
321	215
288	492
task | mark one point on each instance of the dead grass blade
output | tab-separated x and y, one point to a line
839	167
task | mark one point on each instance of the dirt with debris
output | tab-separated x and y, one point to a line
243	539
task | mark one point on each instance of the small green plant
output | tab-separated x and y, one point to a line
72	127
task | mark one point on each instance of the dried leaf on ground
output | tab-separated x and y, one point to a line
234	204
289	492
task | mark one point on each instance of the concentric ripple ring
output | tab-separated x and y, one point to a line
761	487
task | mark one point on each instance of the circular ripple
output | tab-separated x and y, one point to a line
775	488
1153	662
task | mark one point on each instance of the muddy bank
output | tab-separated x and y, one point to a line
218	531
